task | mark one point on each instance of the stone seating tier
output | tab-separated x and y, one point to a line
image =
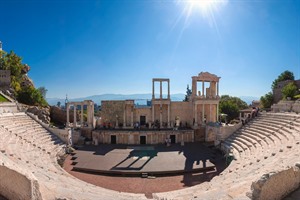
259	149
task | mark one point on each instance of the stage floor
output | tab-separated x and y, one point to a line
138	159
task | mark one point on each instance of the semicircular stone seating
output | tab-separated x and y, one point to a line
269	142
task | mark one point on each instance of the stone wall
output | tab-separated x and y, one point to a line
8	107
59	116
86	132
110	110
5	78
200	134
16	184
286	106
277	92
184	111
133	137
296	107
218	133
228	130
143	112
276	185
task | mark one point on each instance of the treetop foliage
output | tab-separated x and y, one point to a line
231	106
286	75
235	100
267	100
25	94
188	93
290	90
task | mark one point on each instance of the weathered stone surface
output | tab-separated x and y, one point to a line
233	183
276	185
17	184
59	116
26	81
42	113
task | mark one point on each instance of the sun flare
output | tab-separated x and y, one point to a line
201	4
206	7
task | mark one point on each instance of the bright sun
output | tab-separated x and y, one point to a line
201	4
206	7
209	11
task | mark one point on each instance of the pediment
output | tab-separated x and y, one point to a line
206	76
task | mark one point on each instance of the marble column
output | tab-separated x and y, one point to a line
217	89
160	116
217	111
124	116
168	89
68	115
195	115
169	116
153	106
203	89
90	113
117	121
74	122
81	118
153	89
209	113
203	113
131	116
88	110
210	88
160	96
194	87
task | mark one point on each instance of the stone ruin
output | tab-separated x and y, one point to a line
265	164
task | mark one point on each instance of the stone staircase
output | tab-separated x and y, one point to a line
267	144
31	147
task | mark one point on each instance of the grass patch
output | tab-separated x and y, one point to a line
297	96
3	99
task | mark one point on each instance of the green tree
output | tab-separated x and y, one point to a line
11	61
43	91
267	100
2	55
188	93
28	94
240	103
231	106
31	96
58	104
290	90
286	75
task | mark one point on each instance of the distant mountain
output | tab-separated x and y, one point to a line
140	98
249	99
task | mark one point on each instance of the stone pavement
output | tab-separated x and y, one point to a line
138	159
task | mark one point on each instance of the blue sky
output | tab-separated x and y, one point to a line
83	48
